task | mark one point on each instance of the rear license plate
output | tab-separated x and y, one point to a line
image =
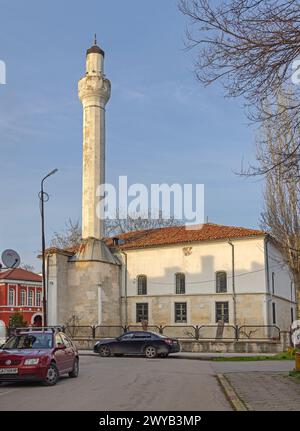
8	370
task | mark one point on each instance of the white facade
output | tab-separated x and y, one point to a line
199	262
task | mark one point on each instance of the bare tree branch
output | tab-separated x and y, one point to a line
282	192
250	47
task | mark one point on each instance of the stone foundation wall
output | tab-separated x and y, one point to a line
213	346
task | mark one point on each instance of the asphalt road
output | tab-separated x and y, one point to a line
107	384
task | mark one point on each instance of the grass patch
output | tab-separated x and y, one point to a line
284	356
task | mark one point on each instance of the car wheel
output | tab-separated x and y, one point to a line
104	351
52	375
74	373
150	352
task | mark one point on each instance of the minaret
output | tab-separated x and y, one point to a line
94	93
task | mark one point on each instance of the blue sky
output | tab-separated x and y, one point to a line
162	126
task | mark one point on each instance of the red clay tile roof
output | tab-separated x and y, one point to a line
20	274
52	250
181	234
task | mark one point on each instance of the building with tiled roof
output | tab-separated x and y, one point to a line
181	235
194	275
20	291
173	276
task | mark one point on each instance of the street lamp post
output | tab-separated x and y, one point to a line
43	198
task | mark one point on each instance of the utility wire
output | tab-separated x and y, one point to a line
213	280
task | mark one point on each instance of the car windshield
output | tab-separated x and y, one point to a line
29	341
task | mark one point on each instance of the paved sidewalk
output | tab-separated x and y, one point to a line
192	355
266	391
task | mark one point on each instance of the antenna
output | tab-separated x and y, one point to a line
95	39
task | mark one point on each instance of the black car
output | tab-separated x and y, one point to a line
148	344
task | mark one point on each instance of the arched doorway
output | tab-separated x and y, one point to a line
37	320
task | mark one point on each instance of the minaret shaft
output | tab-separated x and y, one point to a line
94	92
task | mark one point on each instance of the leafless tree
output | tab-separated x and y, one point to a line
71	236
282	198
68	238
252	47
27	267
133	222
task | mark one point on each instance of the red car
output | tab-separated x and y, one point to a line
38	355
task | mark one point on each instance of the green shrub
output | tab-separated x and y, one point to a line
17	321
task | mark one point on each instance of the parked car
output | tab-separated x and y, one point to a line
38	355
148	344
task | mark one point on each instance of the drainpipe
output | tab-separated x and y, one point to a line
125	289
269	290
233	283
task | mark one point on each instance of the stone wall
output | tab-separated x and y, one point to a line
86	290
250	308
212	346
93	293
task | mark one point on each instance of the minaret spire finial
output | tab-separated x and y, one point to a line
95	39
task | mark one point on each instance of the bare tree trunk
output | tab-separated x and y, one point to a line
297	294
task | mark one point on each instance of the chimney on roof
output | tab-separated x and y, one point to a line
115	241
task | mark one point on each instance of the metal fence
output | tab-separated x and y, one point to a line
189	332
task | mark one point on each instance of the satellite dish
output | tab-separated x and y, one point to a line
295	325
10	258
296	338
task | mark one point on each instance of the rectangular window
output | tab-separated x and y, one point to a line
141	312
180	283
23	297
30	298
221	282
38	298
11	296
142	285
222	312
292	314
274	312
180	312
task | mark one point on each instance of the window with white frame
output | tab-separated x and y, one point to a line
11	296
30	298
38	298
23	297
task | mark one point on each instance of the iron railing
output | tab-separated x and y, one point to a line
188	332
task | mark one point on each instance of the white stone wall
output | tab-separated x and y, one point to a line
199	262
89	290
205	259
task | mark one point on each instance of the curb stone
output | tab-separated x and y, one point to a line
194	358
231	395
173	356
